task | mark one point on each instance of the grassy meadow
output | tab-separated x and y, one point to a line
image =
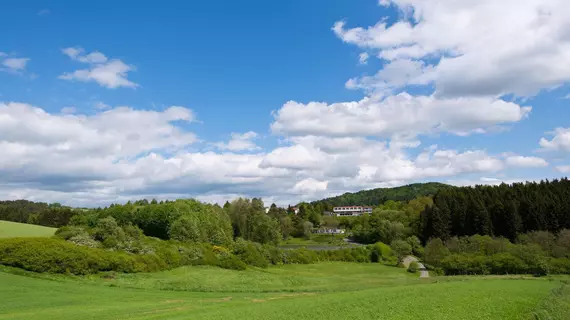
320	291
13	229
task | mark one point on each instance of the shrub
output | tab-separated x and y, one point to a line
230	261
360	254
380	251
464	264
273	254
506	263
69	232
58	256
413	267
539	267
300	256
84	239
559	266
435	252
401	248
251	253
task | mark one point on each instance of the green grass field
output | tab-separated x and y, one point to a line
13	229
320	291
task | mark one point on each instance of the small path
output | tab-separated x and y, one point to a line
423	271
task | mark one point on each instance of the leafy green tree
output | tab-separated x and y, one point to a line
401	249
286	225
435	251
273	211
307	229
416	245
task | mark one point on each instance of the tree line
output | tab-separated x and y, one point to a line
40	213
500	211
375	197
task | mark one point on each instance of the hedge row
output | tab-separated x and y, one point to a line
59	256
55	255
503	263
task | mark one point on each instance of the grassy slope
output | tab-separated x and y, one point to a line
13	229
320	277
323	291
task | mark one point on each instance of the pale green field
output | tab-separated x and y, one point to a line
13	229
322	291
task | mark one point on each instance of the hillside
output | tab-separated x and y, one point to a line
381	195
13	229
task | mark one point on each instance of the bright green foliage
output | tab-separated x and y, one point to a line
232	262
250	222
413	267
156	219
58	256
435	251
301	256
210	225
401	249
251	253
485	255
416	245
381	251
13	229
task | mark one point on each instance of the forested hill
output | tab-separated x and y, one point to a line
40	213
378	196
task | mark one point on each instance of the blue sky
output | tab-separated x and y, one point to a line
290	101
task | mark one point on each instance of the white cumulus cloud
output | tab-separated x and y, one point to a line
560	141
239	142
396	115
526	162
107	73
475	48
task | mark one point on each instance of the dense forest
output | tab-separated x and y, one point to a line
378	196
501	211
40	213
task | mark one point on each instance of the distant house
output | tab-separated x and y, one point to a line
351	211
266	209
329	231
295	210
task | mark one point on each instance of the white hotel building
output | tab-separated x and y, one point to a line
351	211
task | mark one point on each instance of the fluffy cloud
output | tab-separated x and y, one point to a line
296	157
474	48
11	64
402	114
239	142
108	73
310	186
31	137
363	58
16	64
559	142
122	154
563	169
526	162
